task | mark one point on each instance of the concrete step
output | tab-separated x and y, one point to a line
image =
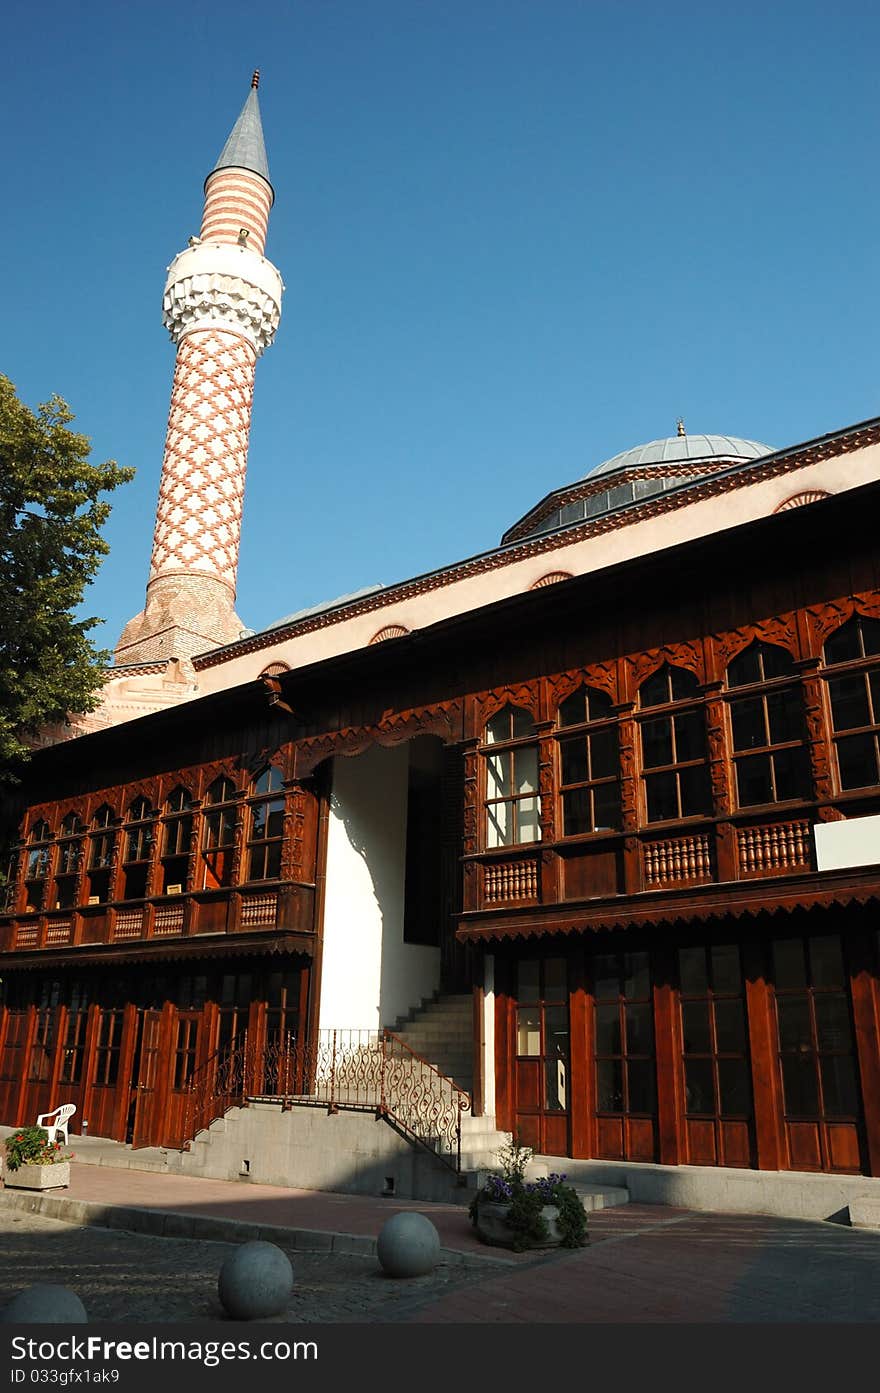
864	1213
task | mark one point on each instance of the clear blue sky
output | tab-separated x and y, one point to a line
517	237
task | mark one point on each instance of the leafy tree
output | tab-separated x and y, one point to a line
51	515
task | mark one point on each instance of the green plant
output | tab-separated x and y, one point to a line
30	1146
525	1201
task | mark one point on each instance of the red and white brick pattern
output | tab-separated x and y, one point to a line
235	199
198	522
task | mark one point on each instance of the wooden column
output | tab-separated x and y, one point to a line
582	1091
629	801
550	882
721	780
164	1076
470	823
505	1045
90	1054
667	1046
860	954
766	1089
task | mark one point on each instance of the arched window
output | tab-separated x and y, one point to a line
103	837
176	836
138	850
70	845
511	803
767	727
37	863
675	770
853	651
218	833
589	774
265	825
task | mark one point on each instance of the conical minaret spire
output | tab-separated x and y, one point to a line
221	306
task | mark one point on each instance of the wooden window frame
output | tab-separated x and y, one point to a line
669	711
762	690
508	749
584	730
263	847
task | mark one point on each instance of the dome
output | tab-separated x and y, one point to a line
683	447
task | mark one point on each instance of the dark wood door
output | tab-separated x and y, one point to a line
542	1092
147	1076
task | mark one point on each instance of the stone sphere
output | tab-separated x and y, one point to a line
44	1304
408	1245
256	1280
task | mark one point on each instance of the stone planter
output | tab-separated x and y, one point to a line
38	1177
493	1228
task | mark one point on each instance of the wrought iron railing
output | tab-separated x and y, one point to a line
365	1070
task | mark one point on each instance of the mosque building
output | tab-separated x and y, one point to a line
603	799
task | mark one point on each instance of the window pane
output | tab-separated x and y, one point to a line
603	754
599	704
699	1086
784	716
608	1029
733	1085
753	782
528	1030
800	1085
839	1087
556	1031
576	812
849	702
528	981
870	635
744	668
573	711
636	976
726	976
689	737
657	742
660	790
606	976
499	824
556	1083
609	1085
498	769
794	1023
832	1022
606	807
730	1031
694	789
258	826
788	962
526	770
792	774
684	683
574	761
639	1029
521	722
695	1027
640	1078
843	644
826	962
747	722
275	823
555	979
857	761
273	860
692	971
499	727
527	820
654	691
777	661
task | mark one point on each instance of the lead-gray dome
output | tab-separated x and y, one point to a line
683	447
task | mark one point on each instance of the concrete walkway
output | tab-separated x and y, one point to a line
645	1263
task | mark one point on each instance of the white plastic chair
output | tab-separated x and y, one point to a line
57	1128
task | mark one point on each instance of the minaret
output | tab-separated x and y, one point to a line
221	307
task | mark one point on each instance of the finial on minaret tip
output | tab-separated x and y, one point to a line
255	80
679	425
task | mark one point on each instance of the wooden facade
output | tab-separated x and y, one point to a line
635	764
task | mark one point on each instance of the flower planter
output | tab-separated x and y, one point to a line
492	1226
38	1177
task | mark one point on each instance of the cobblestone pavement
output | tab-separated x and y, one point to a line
134	1277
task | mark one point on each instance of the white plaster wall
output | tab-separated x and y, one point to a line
369	975
489	1034
701	518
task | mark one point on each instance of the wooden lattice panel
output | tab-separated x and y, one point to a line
677	860
169	920
511	882
258	910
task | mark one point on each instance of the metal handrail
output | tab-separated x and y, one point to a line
354	1070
